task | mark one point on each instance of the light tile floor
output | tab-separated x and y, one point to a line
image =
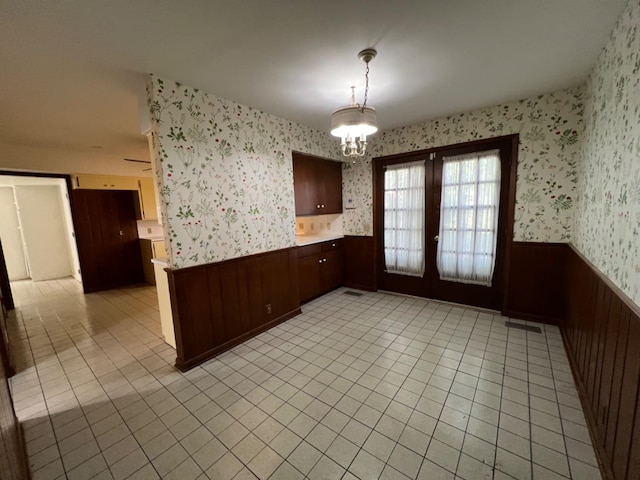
377	386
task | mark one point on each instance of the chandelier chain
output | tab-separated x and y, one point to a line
366	86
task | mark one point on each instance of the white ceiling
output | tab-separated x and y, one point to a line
71	70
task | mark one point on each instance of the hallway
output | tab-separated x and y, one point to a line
371	386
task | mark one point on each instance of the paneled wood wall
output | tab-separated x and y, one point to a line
218	305
359	263
602	336
536	282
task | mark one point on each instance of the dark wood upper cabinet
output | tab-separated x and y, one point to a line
317	185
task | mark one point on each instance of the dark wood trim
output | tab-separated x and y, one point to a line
511	212
626	300
605	469
206	266
5	285
218	305
601	334
537	282
360	263
189	364
430	285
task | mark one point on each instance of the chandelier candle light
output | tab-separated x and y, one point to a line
354	122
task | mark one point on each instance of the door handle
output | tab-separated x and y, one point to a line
436	238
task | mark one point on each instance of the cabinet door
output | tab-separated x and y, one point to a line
330	174
309	277
305	185
159	250
107	238
147	195
331	272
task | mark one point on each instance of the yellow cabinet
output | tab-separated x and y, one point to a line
104	182
158	249
147	196
151	249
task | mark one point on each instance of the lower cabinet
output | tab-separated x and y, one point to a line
151	249
320	268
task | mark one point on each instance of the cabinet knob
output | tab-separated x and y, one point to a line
317	206
321	206
320	261
333	244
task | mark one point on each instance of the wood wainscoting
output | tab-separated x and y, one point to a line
359	263
536	282
219	305
601	332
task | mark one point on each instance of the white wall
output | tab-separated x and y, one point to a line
11	237
607	217
48	235
43	227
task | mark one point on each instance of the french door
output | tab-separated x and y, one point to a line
444	221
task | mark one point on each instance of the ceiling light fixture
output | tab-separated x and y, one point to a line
354	122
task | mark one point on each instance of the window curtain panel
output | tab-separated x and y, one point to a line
404	218
469	217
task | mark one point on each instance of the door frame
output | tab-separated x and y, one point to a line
510	142
6	287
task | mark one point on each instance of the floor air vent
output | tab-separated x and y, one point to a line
519	326
352	293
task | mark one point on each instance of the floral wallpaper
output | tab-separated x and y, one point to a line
550	128
357	195
225	173
607	220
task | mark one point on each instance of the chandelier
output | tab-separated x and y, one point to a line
354	122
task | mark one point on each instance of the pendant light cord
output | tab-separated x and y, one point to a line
366	87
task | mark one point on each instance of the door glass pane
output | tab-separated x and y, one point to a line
469	217
404	218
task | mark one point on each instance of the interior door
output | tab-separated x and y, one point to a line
11	236
44	231
431	283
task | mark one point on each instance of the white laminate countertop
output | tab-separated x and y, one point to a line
163	262
302	240
154	238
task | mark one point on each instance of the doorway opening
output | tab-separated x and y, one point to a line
443	221
36	227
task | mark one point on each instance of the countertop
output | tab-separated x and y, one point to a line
153	238
302	240
160	261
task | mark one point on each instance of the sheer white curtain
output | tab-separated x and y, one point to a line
469	217
404	218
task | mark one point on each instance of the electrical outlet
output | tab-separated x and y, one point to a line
149	230
328	225
269	308
313	227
